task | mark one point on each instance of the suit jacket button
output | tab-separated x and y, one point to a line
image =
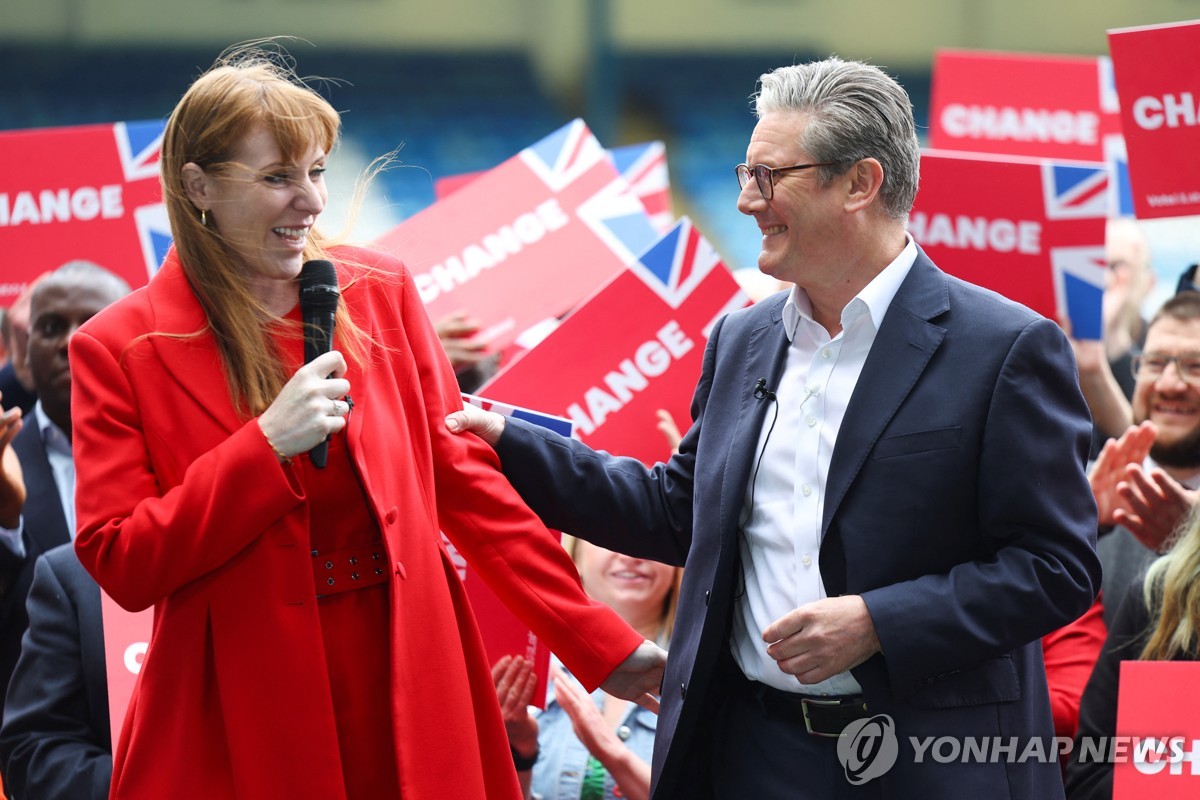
391	516
683	691
706	595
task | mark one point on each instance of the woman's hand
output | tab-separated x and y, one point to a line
630	772
589	726
310	407
515	683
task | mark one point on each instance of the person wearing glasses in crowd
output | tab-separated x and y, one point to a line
1146	480
881	501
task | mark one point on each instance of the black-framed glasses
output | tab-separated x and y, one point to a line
764	176
1149	366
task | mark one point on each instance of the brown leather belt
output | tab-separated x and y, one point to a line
339	571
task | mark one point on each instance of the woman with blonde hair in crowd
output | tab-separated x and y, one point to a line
1158	620
597	747
311	637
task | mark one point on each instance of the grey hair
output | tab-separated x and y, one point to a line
74	273
855	111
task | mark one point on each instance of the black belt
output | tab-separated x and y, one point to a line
820	716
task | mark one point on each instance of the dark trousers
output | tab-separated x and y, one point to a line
759	753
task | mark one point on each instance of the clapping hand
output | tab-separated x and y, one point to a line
515	683
12	479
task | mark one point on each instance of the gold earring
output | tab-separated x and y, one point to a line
204	217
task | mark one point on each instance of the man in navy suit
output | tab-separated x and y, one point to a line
881	502
55	742
62	301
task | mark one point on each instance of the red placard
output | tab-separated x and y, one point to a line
89	192
1025	104
1157	747
608	368
1022	104
528	240
643	166
1030	229
1157	71
126	639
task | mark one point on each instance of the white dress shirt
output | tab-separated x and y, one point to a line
785	496
62	467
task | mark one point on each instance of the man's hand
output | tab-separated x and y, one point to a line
12	479
487	425
821	639
639	677
1112	467
1154	506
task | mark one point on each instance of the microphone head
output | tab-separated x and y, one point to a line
318	285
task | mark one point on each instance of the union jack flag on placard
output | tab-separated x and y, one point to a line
1079	274
644	168
677	263
1075	191
82	192
564	155
139	145
617	216
560	425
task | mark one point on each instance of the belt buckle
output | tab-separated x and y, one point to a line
805	702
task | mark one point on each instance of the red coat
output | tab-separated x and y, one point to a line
182	505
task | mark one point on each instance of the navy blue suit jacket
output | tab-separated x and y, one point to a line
957	506
45	528
55	742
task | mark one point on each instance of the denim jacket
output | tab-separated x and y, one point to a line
562	758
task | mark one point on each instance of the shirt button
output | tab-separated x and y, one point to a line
806	490
811	420
825	353
806	561
624	732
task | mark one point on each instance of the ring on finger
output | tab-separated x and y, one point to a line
337	408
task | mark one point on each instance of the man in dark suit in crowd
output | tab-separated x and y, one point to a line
1146	481
55	742
881	501
61	302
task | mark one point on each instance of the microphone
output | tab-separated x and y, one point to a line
318	304
761	392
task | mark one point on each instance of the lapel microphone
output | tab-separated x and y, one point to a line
318	305
761	392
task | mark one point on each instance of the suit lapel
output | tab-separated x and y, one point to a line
903	347
766	349
45	524
192	361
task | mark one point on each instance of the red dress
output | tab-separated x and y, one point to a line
354	624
